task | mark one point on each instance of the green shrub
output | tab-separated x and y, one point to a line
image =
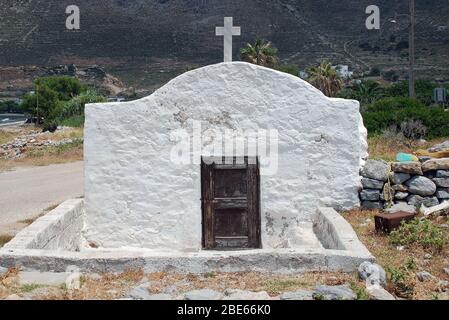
73	121
75	107
424	90
393	112
289	68
402	280
421	232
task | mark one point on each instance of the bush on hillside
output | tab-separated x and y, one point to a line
393	112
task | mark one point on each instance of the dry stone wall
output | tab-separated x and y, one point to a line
416	183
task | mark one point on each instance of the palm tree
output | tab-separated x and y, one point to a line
261	53
326	79
367	92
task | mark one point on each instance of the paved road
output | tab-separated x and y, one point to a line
26	192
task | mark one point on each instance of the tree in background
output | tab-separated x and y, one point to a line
56	99
326	79
365	92
261	53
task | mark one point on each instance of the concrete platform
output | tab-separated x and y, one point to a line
53	242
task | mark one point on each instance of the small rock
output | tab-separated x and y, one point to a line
171	290
400	188
73	281
343	292
401	195
297	295
441	182
427	256
204	294
376	292
401	207
407	167
442	286
442	174
442	193
400	178
446	271
372	184
376	169
440	147
424	276
370	205
421	186
436	164
372	273
139	293
3	271
234	294
370	195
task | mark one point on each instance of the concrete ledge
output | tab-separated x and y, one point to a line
60	229
49	244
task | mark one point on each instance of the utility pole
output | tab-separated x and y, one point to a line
411	75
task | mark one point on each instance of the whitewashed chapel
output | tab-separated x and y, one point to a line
230	156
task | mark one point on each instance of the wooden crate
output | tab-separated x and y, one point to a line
387	222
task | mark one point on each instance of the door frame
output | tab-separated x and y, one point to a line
208	168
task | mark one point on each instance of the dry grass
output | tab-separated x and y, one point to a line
105	287
43	213
6	136
4	239
390	257
386	148
252	281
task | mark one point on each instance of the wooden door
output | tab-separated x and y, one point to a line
230	204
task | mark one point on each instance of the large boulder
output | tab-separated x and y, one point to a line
421	186
376	169
440	147
436	164
343	292
235	294
297	295
376	292
407	167
372	273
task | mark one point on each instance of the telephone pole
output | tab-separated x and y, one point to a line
411	75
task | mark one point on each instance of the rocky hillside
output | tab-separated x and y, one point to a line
146	42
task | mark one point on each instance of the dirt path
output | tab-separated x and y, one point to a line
26	192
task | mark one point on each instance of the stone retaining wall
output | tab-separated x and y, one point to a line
415	183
